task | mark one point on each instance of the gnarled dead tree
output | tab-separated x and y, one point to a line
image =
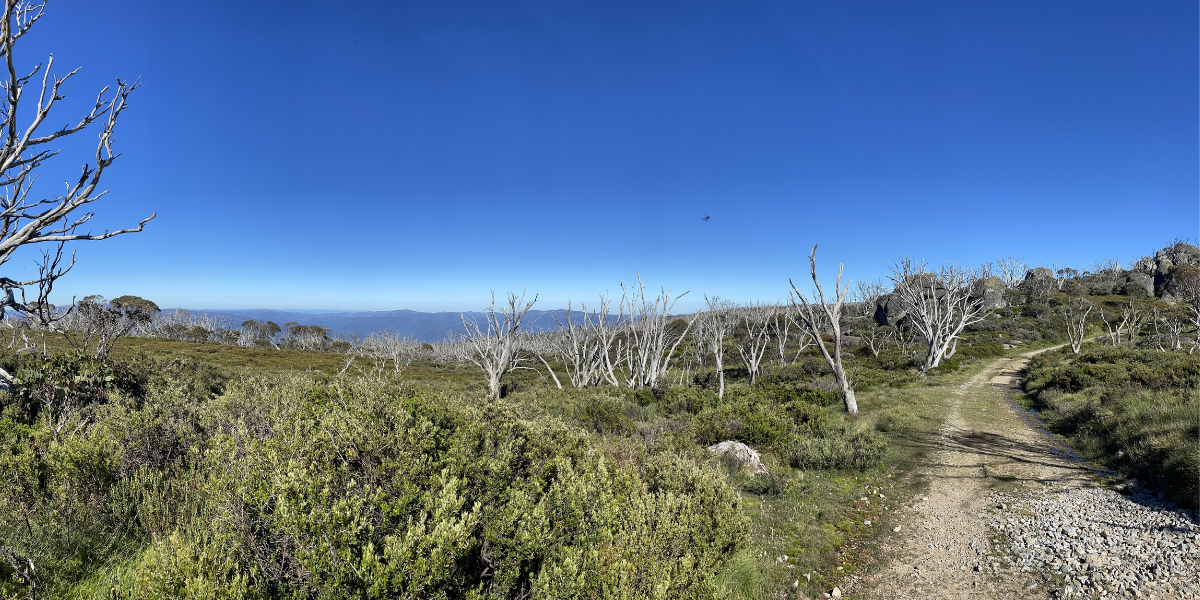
25	218
1075	313
940	305
580	344
649	341
1010	270
756	320
832	314
711	328
494	346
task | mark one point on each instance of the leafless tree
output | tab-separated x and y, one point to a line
875	336
940	304
1108	268
866	296
1115	328
385	348
1168	326
1075	314
784	320
541	345
1187	288
756	320
1011	270
580	344
493	347
26	219
650	344
1136	318
714	326
832	317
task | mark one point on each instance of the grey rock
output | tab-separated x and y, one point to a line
890	310
1145	280
1039	273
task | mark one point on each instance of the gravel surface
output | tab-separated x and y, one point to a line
1095	542
1054	531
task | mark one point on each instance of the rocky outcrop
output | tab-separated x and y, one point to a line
991	290
1142	279
889	310
1039	273
741	454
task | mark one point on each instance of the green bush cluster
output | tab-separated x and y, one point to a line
295	486
1132	410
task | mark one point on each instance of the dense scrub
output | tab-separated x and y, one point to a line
299	486
1136	411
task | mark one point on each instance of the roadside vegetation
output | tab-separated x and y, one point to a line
144	466
1134	411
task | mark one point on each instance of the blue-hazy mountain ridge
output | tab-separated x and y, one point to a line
422	326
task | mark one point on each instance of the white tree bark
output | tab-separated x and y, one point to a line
493	347
649	346
1075	314
714	326
756	319
940	304
26	219
832	314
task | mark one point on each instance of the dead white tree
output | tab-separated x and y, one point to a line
388	347
493	346
940	305
1136	319
1114	333
1168	327
580	344
866	296
1011	270
714	326
541	345
832	317
783	321
875	336
756	320
649	342
1075	314
1187	289
26	219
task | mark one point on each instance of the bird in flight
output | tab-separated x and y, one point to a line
706	218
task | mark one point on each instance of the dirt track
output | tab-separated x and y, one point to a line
944	547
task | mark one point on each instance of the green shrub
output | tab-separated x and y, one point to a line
836	446
1131	410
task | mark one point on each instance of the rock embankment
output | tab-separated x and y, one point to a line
1097	543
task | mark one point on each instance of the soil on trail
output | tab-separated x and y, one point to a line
944	545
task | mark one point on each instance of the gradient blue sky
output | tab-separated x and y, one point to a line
417	155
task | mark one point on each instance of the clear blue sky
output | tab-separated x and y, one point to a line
417	155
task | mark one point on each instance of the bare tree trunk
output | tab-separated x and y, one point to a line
940	304
757	321
833	314
493	347
1075	314
716	325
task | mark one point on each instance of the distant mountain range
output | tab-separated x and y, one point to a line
422	326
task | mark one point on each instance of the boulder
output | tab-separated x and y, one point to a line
1145	280
992	292
1039	273
741	454
889	310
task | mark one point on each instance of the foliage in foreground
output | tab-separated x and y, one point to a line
1136	411
293	486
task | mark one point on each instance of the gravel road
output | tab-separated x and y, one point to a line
1009	514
